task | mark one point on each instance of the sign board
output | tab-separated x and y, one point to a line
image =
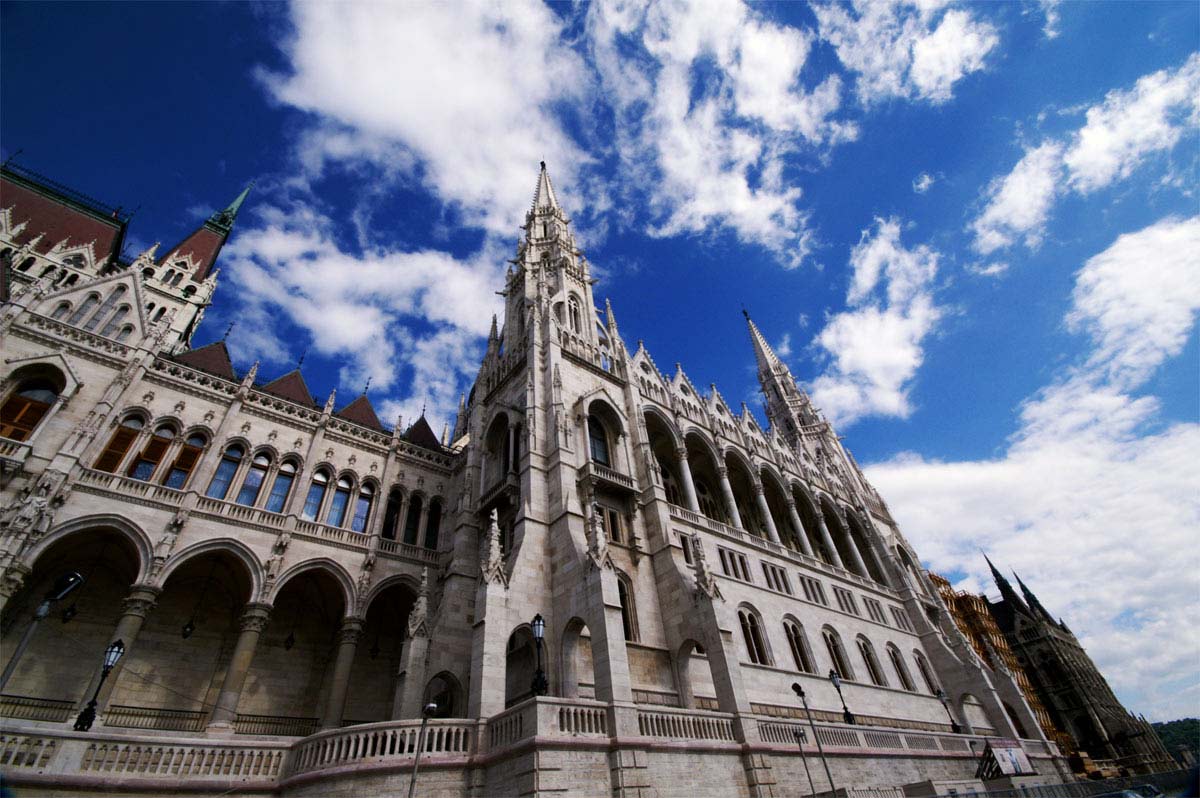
1003	757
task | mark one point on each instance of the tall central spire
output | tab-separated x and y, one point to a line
788	408
768	361
543	196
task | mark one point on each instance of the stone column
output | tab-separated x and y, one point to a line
801	535
689	487
402	518
250	627
134	609
731	507
827	539
422	521
860	567
760	497
348	638
410	696
873	551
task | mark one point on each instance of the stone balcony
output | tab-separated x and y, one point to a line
150	494
604	476
41	754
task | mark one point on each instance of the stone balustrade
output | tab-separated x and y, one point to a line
383	742
686	724
45	709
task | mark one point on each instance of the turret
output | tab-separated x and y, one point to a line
198	252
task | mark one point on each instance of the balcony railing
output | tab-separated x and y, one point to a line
383	742
26	708
601	473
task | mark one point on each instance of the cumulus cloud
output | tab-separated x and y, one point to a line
462	94
1092	482
875	346
1120	133
923	182
906	50
397	317
713	157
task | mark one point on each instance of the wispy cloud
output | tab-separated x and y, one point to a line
1092	482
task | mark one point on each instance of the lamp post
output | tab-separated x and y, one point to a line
847	715
426	712
113	653
801	739
798	690
62	586
540	684
954	727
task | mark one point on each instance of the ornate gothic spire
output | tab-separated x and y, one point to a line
543	196
1033	602
1006	589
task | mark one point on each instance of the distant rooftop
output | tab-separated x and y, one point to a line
28	176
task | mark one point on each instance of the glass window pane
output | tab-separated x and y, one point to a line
337	508
251	485
280	490
312	502
220	481
361	510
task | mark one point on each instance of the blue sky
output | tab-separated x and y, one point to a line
971	230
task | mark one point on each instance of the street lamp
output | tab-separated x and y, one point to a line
847	715
112	654
954	727
62	586
798	690
426	712
540	683
801	739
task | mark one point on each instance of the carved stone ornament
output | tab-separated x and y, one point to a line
706	583
255	618
137	605
597	541
418	617
13	579
491	559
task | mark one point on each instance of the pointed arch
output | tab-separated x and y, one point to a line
123	526
238	550
328	566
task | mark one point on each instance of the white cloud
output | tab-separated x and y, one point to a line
1050	12
1119	135
903	50
923	182
1020	201
876	344
1095	503
1138	322
1129	125
713	156
464	94
362	309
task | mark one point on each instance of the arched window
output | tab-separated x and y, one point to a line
926	673
901	669
362	508
85	307
756	644
25	265
158	314
708	504
837	655
74	278
115	320
799	646
598	441
125	332
628	613
167	277
61	310
281	487
574	314
252	484
26	407
413	521
341	500
77	260
185	461
219	487
316	495
432	523
391	514
109	302
871	661
144	465
177	279
110	459
669	483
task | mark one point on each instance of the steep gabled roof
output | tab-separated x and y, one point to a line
422	435
213	358
291	386
360	411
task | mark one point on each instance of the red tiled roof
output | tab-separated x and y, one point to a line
57	220
291	386
420	434
213	358
203	245
360	411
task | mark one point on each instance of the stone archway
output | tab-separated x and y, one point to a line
577	676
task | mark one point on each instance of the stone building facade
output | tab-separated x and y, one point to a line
293	581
